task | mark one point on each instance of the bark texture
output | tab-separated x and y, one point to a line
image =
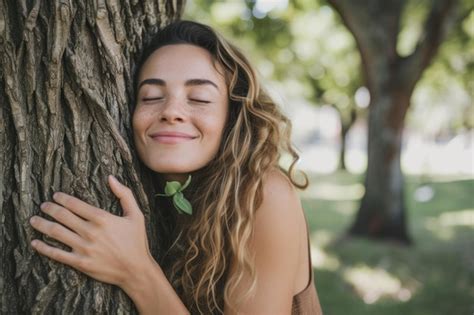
65	109
391	80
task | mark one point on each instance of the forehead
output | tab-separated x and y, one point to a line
181	62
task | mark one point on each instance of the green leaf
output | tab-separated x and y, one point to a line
186	184
172	188
182	204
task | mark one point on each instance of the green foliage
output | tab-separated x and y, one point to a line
182	204
306	48
445	90
174	190
292	46
433	276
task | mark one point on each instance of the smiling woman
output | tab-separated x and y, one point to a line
181	107
199	112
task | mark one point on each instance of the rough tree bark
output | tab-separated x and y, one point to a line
391	80
65	102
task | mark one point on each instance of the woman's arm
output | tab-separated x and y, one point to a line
276	243
108	248
152	293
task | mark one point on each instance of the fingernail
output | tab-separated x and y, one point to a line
33	220
34	243
112	177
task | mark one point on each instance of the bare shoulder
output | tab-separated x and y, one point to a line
275	246
279	196
280	217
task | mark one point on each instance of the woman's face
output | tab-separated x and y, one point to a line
181	110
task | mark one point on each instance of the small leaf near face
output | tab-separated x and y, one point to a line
182	204
186	184
172	187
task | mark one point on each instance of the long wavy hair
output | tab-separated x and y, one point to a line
227	192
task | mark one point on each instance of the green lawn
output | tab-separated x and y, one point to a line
355	276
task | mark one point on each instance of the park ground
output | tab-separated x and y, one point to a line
435	275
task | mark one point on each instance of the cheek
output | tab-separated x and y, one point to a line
215	131
140	120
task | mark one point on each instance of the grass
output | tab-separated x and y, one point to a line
356	276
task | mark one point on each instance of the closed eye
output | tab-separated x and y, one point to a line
152	99
199	101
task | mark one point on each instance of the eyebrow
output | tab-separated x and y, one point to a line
190	82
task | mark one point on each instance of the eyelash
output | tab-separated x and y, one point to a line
199	101
152	99
161	98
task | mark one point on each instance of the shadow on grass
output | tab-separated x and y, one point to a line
358	276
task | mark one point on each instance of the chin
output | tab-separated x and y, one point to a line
174	169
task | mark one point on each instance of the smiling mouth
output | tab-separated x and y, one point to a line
171	138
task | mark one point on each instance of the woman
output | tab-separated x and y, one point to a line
200	111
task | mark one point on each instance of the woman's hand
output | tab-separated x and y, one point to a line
104	246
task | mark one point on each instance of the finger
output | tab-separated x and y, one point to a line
56	231
79	207
65	217
54	253
125	195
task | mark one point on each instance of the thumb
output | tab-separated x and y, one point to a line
125	195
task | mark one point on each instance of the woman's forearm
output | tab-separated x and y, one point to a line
152	293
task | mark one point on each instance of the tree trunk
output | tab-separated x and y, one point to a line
391	80
342	153
346	125
382	210
65	107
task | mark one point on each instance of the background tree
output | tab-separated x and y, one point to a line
65	104
390	79
307	48
446	88
291	47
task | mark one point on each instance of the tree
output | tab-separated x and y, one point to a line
390	79
289	43
66	94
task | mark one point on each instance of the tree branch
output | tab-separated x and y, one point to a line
375	26
438	23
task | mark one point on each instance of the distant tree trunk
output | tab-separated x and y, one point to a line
342	153
391	80
346	125
65	102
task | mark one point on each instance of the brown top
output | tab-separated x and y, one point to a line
307	302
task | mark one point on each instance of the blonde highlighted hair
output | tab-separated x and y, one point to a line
228	191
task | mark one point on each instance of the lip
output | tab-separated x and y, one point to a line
171	137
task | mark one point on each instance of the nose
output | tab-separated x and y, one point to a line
173	111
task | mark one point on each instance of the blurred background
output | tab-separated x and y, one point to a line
311	64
